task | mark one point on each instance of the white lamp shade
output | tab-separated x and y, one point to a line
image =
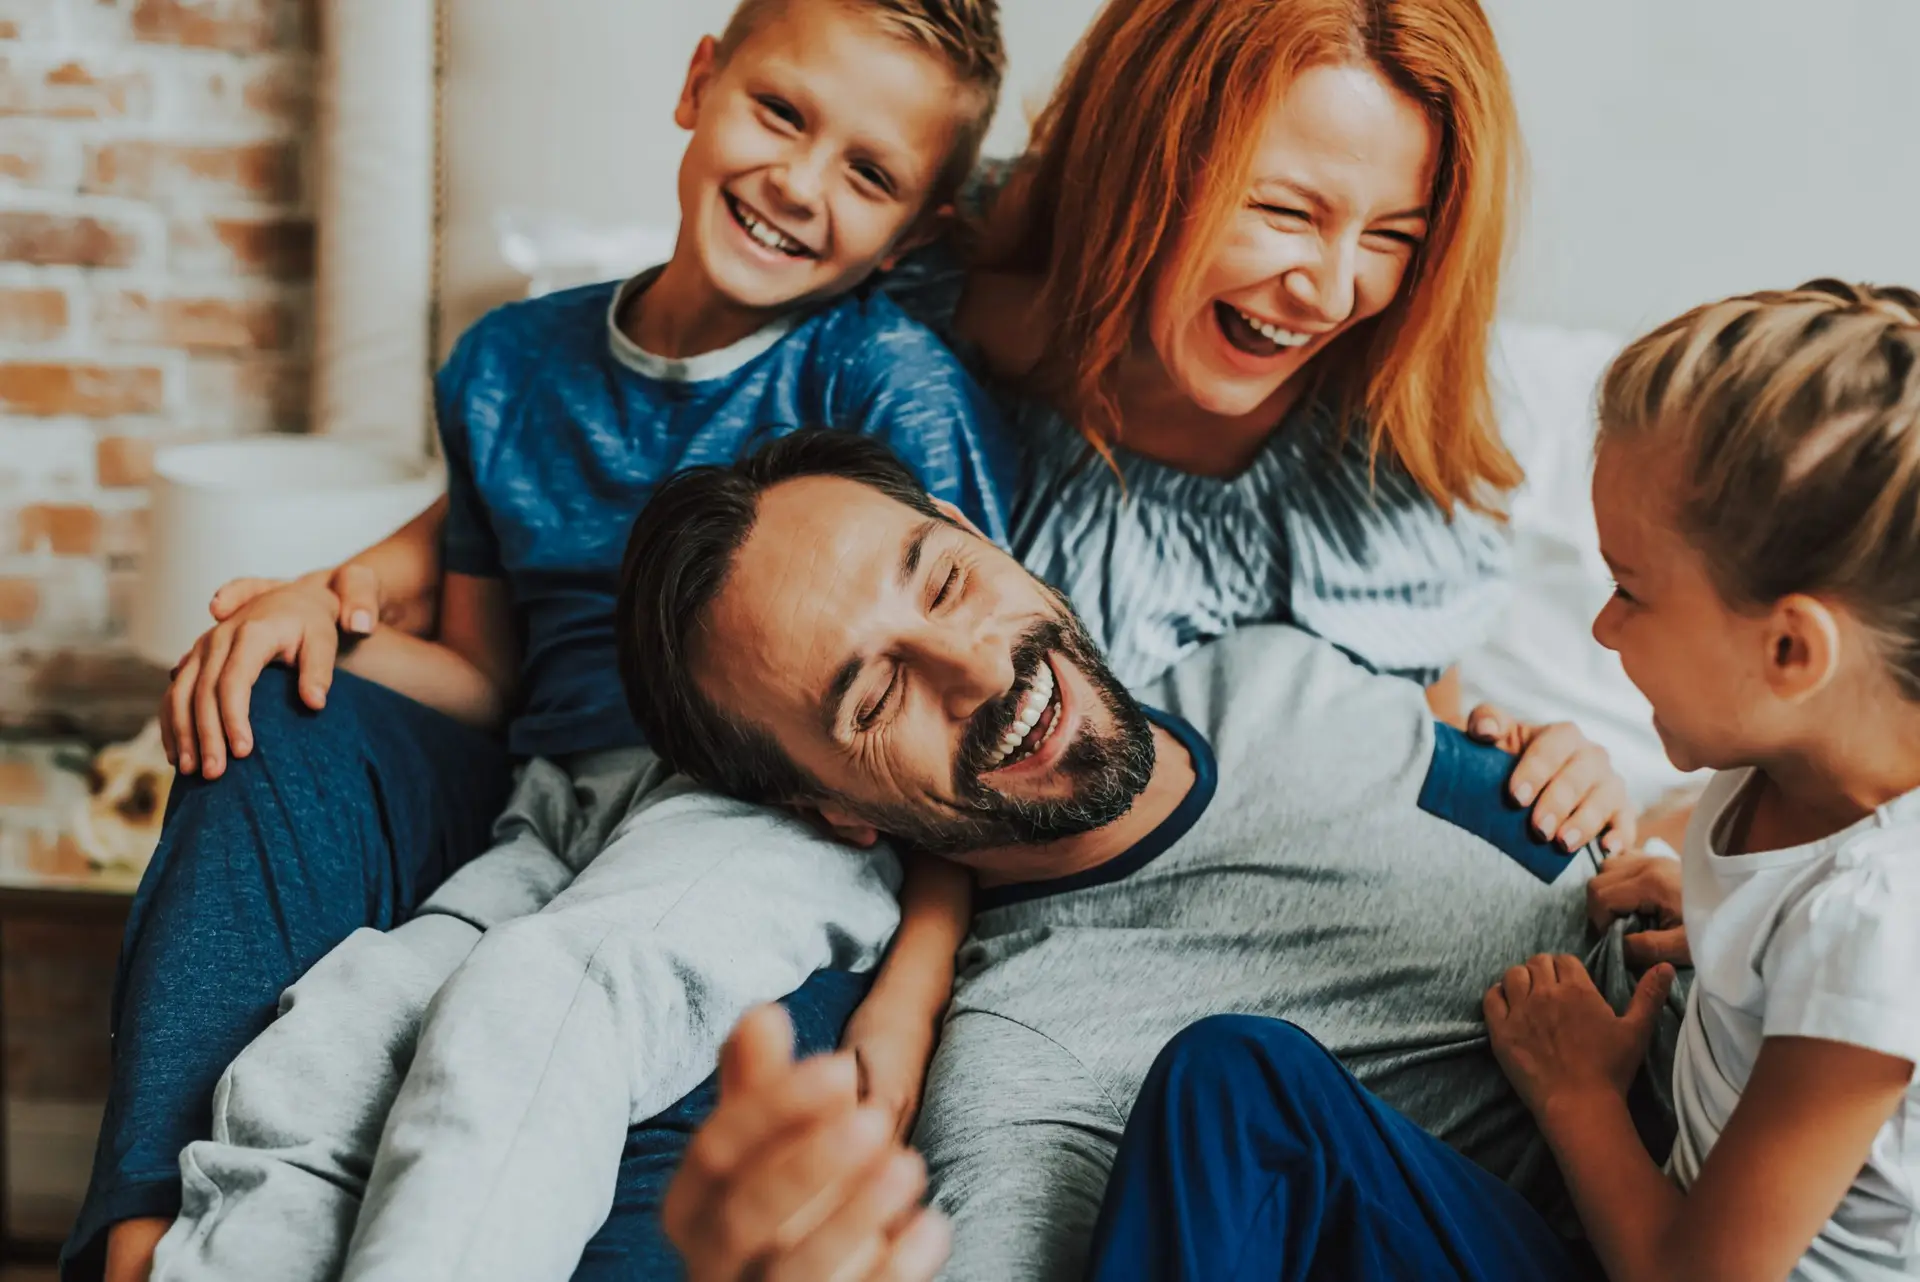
270	506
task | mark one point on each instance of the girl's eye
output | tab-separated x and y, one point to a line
783	110
946	588
867	719
1623	595
875	176
1283	211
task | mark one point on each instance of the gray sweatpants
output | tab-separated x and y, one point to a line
450	1098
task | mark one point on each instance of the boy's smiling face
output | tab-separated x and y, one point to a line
816	146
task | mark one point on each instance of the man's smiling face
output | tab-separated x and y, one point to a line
934	689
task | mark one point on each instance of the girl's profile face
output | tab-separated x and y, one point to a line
1697	660
1331	219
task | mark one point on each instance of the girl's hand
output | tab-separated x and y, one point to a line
1558	1040
892	1056
1644	886
1567	778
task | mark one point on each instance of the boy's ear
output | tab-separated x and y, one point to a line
701	70
926	229
960	518
1803	648
846	826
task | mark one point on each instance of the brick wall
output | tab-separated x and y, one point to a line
155	261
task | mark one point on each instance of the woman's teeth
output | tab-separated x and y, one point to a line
1273	333
772	237
1032	708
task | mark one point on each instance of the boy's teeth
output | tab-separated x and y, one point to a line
768	236
1273	333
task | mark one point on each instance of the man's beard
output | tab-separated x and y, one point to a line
1107	770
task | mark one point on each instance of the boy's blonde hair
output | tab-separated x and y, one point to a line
1799	416
964	34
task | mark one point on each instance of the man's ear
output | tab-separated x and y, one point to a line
846	826
959	518
701	70
1803	648
927	228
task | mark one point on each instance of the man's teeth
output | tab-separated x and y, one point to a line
1273	333
1032	707
771	237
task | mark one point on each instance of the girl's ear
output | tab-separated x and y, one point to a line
1803	642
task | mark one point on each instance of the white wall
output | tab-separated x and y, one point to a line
1680	148
1686	149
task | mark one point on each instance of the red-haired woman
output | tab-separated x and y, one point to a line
1237	298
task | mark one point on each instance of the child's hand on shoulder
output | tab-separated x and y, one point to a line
892	1055
1557	1039
1567	779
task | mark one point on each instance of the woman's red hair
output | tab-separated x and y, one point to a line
1151	134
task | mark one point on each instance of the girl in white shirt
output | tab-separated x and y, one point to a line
1758	496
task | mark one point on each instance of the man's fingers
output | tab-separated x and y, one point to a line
920	1250
856	1238
1517	983
749	1119
788	1190
359	591
1540	968
1494	1004
1653	947
237	592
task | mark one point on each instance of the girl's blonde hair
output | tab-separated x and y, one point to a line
1799	416
1151	135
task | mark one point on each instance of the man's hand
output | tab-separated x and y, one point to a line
204	715
1558	1040
1644	886
792	1179
892	1057
1567	778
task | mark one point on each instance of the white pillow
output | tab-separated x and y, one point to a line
1541	663
558	251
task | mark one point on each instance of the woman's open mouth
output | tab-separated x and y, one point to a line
1254	336
1034	725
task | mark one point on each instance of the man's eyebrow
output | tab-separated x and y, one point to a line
916	545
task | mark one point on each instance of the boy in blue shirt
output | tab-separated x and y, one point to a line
827	136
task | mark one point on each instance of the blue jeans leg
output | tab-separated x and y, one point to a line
630	1246
1252	1153
339	819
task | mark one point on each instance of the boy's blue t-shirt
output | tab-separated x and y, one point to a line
557	429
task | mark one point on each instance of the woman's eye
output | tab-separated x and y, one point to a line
946	588
1283	211
1623	595
1408	239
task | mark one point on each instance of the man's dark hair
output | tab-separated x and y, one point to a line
678	558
